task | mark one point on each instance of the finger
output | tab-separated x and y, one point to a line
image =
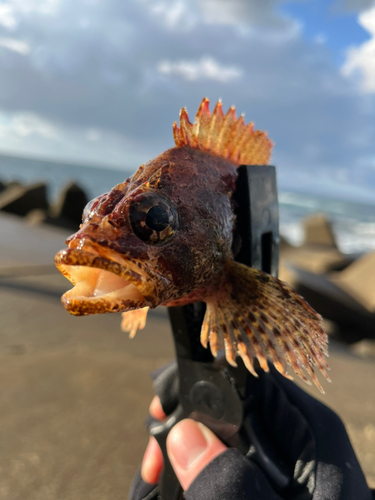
153	459
152	463
191	446
156	409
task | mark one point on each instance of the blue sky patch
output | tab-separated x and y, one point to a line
323	20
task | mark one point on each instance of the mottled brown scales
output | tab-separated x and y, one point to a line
164	237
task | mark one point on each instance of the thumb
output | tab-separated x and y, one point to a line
191	446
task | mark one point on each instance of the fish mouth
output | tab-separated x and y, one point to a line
104	283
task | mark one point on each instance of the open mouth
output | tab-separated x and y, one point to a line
103	285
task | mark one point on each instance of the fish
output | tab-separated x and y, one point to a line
164	237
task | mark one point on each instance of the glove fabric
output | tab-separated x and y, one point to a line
306	439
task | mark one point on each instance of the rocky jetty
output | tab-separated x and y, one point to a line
341	287
31	202
20	200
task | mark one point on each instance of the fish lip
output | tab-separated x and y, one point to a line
94	305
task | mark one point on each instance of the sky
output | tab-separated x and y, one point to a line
100	82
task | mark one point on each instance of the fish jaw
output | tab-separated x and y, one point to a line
105	284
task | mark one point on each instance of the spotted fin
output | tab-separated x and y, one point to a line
257	316
134	320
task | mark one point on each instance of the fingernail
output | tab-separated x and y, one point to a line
186	442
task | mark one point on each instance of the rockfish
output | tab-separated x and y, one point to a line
164	237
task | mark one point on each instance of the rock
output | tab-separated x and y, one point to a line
317	260
12	184
319	253
20	200
69	206
365	349
66	212
36	217
318	231
286	274
7	185
284	244
358	281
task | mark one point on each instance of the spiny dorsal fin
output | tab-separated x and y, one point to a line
223	135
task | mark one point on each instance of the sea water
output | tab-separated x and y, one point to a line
353	223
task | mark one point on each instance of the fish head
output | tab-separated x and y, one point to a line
157	238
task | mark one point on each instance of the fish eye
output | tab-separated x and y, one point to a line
153	218
157	218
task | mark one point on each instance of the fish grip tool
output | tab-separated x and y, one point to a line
210	390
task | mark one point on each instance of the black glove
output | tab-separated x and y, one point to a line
306	440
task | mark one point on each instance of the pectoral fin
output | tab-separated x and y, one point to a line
255	315
134	320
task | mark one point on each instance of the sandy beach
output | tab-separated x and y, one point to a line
75	391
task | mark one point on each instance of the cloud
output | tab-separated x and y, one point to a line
355	5
27	134
26	124
204	69
320	38
174	14
186	14
110	76
15	45
360	61
93	135
238	12
6	16
10	9
92	59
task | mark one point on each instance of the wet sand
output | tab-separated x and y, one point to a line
75	391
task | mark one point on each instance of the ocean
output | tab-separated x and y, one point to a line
353	223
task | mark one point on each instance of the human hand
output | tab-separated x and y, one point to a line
203	464
311	440
190	445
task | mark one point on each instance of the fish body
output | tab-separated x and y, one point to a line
165	237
